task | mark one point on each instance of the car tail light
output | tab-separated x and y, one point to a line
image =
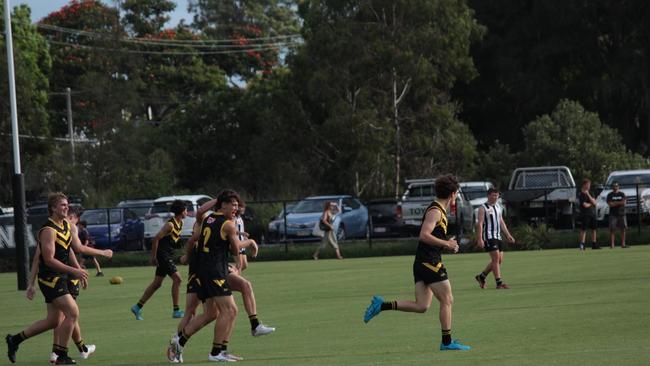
453	208
398	211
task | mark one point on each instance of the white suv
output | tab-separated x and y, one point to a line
159	215
628	180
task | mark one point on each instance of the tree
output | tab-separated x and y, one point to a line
32	67
146	17
260	26
381	71
576	138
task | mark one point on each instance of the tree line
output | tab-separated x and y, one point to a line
286	98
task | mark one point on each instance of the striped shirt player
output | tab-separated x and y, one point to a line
491	226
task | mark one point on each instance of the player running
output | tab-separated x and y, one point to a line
429	274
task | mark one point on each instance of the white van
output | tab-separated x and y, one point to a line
159	215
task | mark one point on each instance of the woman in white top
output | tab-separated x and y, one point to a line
326	224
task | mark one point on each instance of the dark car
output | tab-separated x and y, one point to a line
125	231
386	217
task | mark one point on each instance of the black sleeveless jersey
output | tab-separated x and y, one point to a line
213	248
61	248
170	241
432	253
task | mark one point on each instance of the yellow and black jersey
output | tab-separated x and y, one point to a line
62	244
170	241
431	253
213	248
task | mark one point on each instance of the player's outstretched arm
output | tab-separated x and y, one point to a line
235	243
83	249
479	227
31	286
200	213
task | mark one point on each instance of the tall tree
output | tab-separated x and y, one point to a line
379	73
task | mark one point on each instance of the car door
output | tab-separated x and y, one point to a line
354	217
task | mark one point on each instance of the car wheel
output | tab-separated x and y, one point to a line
340	233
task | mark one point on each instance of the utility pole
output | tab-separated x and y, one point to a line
20	227
68	99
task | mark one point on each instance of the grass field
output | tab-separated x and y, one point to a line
563	308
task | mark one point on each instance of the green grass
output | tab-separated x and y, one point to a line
564	308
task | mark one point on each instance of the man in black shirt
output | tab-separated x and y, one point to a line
587	215
616	201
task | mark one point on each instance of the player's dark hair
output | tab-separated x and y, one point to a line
446	185
177	207
74	211
227	195
53	199
492	190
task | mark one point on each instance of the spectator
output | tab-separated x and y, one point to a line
326	224
86	239
587	215
616	200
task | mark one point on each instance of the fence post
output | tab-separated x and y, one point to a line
546	208
370	231
638	209
108	222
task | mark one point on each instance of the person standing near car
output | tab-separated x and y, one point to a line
616	201
326	223
587	215
162	252
242	260
489	227
85	239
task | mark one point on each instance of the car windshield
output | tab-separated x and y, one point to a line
98	217
628	180
417	191
309	206
163	207
473	193
383	208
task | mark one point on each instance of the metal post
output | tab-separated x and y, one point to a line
284	217
638	209
20	227
546	207
68	100
370	230
108	222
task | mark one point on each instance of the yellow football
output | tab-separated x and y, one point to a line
116	280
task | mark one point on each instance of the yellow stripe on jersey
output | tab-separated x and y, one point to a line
219	282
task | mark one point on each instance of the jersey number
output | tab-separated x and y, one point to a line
206	236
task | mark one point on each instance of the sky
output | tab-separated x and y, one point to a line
41	8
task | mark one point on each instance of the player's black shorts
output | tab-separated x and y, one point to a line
53	287
73	288
429	272
166	267
193	283
491	245
213	287
588	222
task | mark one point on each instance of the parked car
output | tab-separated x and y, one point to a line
114	228
275	227
141	207
159	214
546	192
418	196
351	222
385	217
476	194
627	180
